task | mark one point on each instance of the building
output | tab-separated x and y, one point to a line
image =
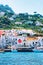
18	23
38	23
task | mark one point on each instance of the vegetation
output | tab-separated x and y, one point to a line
9	18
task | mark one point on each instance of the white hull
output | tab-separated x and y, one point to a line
38	49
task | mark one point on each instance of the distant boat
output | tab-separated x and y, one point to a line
7	49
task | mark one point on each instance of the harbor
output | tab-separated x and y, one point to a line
21	32
20	40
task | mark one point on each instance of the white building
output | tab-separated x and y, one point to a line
29	22
18	23
38	23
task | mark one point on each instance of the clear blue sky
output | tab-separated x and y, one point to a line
24	5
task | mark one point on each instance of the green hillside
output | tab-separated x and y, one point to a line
9	20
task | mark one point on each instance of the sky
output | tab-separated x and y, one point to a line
24	6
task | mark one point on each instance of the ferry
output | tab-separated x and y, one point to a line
24	48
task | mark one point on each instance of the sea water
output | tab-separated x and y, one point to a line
21	58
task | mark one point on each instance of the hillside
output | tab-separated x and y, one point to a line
9	20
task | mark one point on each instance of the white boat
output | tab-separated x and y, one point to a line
38	49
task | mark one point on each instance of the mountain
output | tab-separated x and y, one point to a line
7	16
5	8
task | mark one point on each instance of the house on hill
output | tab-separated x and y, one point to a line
38	23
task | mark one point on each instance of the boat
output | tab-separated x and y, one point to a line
7	49
24	48
38	49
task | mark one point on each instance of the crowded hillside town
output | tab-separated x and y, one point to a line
14	39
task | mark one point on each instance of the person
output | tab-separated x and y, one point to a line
24	45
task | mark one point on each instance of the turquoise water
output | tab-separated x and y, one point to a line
21	58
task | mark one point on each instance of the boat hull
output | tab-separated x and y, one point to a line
24	50
7	50
38	50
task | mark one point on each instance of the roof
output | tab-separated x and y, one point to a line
31	38
1	32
